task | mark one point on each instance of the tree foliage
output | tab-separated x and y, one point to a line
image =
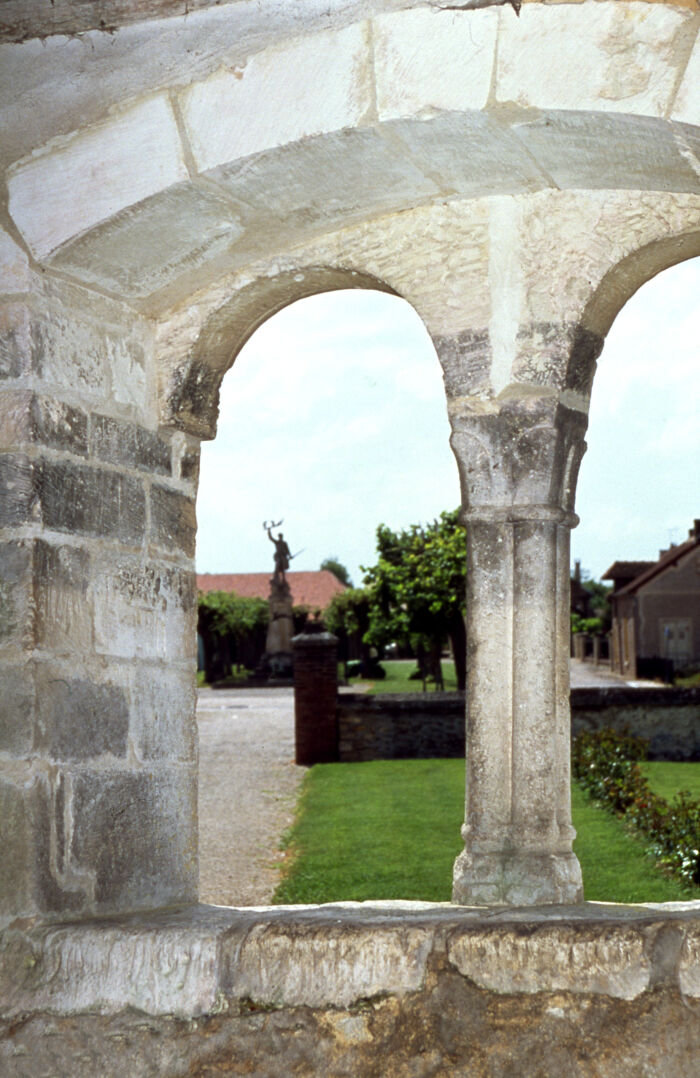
418	588
233	629
338	569
224	613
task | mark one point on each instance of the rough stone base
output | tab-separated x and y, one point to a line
495	879
391	990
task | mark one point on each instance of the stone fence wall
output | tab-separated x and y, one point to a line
432	724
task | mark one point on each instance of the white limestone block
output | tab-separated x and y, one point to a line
687	104
15	275
310	86
79	181
591	56
427	60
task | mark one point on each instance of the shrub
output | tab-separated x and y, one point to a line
606	763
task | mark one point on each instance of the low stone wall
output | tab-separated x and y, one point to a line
432	724
389	990
668	718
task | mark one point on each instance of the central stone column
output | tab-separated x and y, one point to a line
518	461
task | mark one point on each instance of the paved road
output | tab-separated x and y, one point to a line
248	786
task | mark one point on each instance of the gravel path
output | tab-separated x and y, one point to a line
248	787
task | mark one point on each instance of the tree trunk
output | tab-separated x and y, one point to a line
458	639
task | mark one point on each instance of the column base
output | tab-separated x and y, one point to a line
516	879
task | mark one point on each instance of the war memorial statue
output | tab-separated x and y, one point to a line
277	661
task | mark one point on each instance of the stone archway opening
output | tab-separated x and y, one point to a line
333	417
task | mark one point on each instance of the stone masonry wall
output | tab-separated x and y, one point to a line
432	724
390	990
97	597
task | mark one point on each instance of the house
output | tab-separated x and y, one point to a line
312	589
656	611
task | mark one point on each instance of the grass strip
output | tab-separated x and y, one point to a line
390	829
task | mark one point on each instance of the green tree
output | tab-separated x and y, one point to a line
348	616
338	569
233	629
418	590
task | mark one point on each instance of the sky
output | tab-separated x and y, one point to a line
333	419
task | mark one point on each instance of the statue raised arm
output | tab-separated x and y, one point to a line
283	554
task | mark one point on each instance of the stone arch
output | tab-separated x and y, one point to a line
191	398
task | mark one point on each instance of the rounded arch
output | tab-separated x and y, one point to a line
193	397
628	275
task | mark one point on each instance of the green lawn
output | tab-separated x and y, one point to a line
390	829
667	779
398	672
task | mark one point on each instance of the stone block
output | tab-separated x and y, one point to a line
16	607
603	151
428	60
173	520
15	275
90	501
138	252
79	719
15	340
17	709
624	66
135	831
145	611
63	607
27	419
125	443
85	179
66	351
331	179
30	881
59	425
686	107
163	725
466	362
18	496
237	112
516	959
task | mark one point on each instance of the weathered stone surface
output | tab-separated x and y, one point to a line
124	443
18	499
79	719
466	363
15	275
173	521
15	340
393	989
540	59
144	611
31	880
236	112
90	501
17	709
135	833
163	725
30	419
62	606
428	59
16	614
58	194
611	962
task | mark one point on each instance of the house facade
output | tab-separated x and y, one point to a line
656	611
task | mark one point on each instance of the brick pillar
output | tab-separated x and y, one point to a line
315	692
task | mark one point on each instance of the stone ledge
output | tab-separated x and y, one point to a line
204	960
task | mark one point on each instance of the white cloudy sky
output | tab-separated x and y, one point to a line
333	418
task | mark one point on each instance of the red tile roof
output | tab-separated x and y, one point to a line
314	589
